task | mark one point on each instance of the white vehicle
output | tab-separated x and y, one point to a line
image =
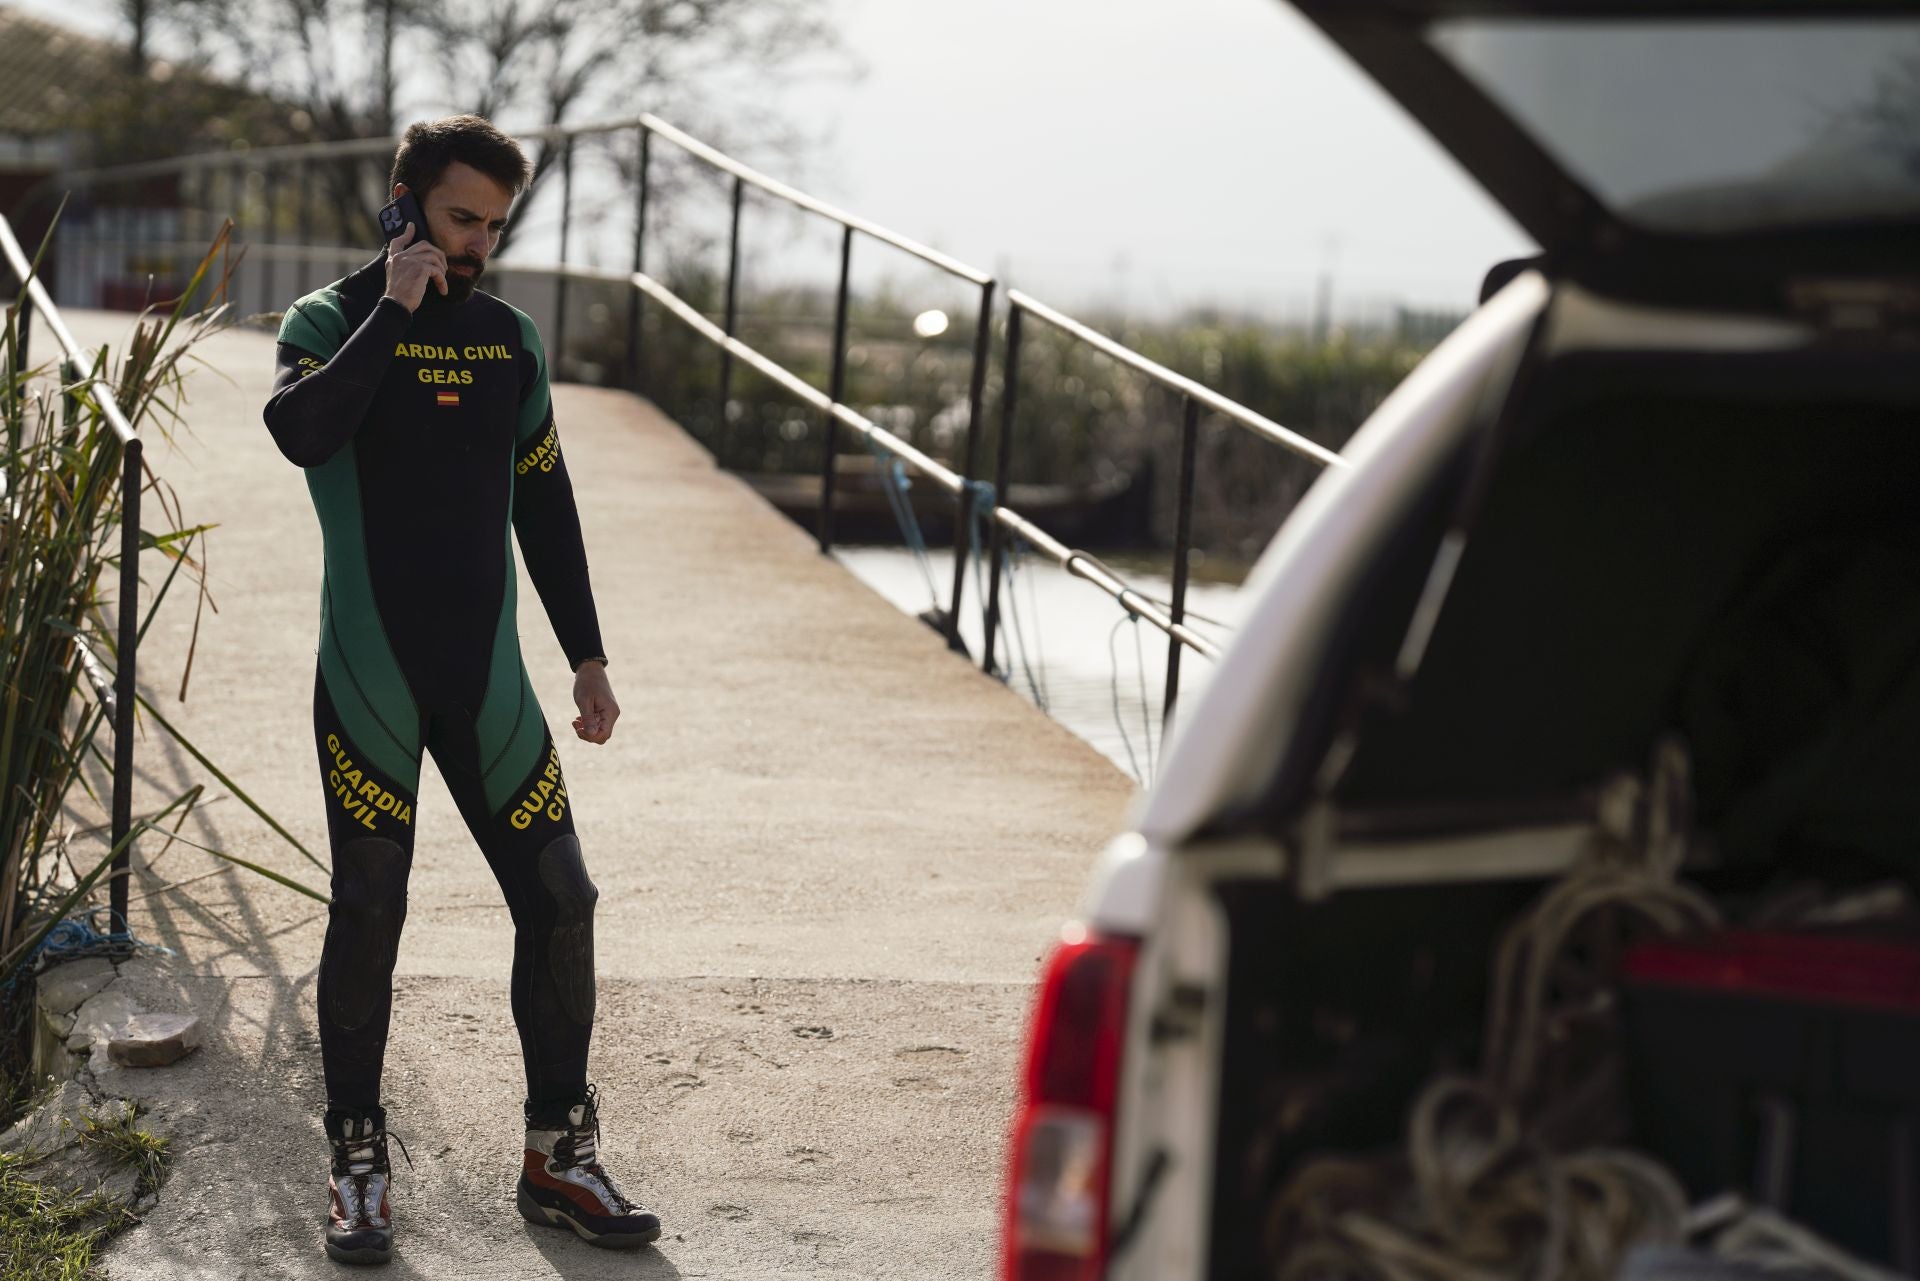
1616	608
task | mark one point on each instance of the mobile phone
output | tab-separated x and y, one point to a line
396	214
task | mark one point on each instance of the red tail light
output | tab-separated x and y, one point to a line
1057	1193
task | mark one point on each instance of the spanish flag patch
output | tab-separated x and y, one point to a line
447	398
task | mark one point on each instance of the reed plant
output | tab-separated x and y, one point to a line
61	483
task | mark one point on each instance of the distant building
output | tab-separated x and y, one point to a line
69	101
42	68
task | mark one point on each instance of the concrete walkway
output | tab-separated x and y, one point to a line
829	856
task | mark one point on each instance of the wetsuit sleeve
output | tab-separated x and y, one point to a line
327	376
544	515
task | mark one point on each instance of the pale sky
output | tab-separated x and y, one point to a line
1151	153
1160	150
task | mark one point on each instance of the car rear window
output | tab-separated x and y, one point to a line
1713	126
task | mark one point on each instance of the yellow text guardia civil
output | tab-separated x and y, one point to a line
361	794
547	796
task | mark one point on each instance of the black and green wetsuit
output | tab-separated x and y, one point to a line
428	440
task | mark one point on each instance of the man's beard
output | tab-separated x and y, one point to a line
459	287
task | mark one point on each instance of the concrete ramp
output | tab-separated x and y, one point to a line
829	854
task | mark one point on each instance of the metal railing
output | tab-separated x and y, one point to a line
1194	398
969	495
120	700
650	126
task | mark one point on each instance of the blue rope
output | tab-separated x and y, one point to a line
981	504
896	483
75	937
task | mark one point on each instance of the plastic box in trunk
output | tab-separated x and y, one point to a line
1786	1066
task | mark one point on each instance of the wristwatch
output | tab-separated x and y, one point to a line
592	658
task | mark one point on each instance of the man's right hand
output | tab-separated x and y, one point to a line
410	265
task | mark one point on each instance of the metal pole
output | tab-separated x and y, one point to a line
634	296
142	235
123	683
194	220
733	281
1182	542
1010	370
236	209
304	214
96	248
115	248
107	239
56	262
558	360
836	390
963	501
268	189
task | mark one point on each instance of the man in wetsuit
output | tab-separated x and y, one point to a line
419	408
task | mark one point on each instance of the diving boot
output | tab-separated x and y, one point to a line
359	1220
563	1184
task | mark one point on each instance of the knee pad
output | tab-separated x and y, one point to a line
363	941
570	947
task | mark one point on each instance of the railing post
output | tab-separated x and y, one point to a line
123	230
302	194
634	296
209	198
142	238
268	189
56	262
558	360
733	281
1182	541
236	210
95	252
1010	371
963	505
836	391
123	680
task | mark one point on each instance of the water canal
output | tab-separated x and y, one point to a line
1074	651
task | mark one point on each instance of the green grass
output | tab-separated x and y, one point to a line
131	1146
48	1235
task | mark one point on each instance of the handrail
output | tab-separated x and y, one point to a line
1195	398
965	490
297	151
1078	563
124	691
284	153
647	126
23	268
1167	378
792	195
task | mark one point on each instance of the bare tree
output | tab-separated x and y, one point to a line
356	68
568	60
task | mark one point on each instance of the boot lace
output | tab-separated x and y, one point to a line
361	1157
579	1149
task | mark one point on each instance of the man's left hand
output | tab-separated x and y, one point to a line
594	697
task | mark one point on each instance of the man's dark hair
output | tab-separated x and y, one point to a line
429	146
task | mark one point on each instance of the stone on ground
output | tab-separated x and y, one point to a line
154	1040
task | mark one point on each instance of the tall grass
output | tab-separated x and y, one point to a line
61	468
